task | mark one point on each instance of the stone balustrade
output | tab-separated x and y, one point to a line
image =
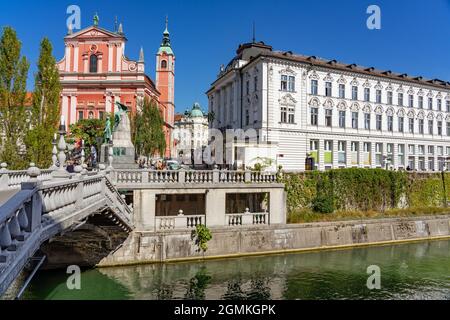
148	177
12	179
178	222
247	218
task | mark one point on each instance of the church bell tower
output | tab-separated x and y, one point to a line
165	75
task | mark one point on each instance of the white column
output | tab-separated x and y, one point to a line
321	154
75	58
361	154
100	64
395	156
65	107
73	109
335	154
68	58
373	163
118	58
348	153
110	57
108	103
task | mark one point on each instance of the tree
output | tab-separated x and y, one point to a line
148	136
87	130
13	118
45	108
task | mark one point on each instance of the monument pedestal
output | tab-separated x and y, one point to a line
123	148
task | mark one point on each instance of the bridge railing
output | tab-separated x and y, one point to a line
146	176
12	179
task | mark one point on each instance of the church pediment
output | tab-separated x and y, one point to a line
94	32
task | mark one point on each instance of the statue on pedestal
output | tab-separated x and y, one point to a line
119	139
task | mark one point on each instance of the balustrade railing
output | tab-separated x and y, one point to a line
178	222
145	176
12	179
248	218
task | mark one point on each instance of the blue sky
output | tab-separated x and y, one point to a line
414	36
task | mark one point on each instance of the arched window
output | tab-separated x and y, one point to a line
163	64
93	64
91	115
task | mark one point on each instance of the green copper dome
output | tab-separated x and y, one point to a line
196	111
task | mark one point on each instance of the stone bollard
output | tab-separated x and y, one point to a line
4	177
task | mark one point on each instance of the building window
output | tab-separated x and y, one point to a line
378	96
328	117
101	115
93	62
401	154
283	114
421	126
379	122
411	149
314	87
367	121
287	83
354	93
367	94
420	102
163	64
328	89
378	154
247	87
447	104
390	122
291	84
80	115
355	120
284	82
430	126
314	115
430	149
448	129
411	101
91	115
400	124
411	125
342	91
439	128
421	149
430	103
341	119
255	83
247	117
354	146
389	97
439	104
400	99
291	114
341	152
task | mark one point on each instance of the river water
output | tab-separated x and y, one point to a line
418	270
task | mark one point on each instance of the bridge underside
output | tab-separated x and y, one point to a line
85	245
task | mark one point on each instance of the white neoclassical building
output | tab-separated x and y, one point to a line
311	112
190	131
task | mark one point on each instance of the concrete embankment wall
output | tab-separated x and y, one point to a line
148	247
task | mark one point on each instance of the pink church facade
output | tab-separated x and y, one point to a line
95	73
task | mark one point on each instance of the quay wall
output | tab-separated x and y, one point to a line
177	245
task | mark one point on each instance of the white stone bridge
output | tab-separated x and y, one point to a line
37	206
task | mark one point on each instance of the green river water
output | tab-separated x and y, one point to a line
418	270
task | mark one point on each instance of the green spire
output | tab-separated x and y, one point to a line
96	19
165	45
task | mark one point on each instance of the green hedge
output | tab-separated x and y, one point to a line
365	189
